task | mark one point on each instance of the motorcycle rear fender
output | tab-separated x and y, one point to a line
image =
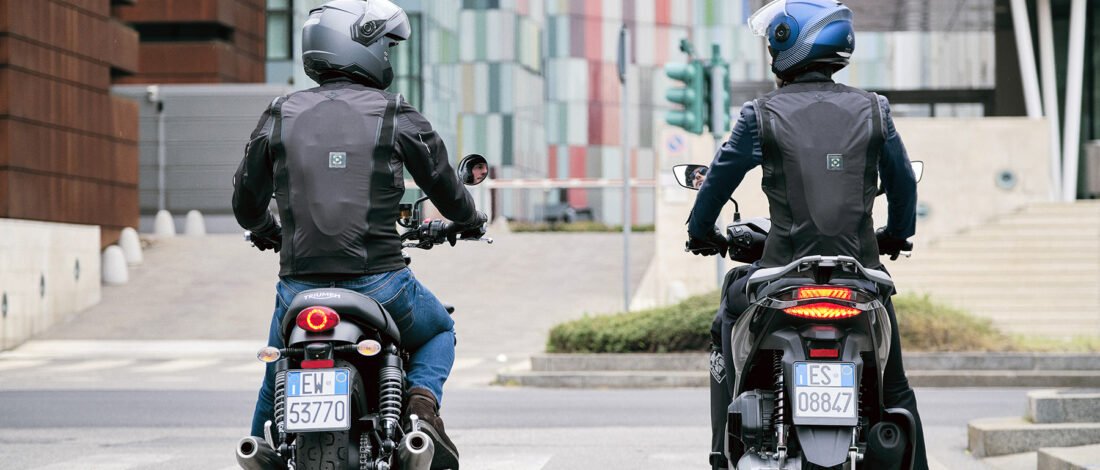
344	332
825	446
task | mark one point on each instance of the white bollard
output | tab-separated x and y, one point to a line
131	246
164	226
195	227
114	266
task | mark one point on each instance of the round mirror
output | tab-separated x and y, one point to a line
473	169
690	176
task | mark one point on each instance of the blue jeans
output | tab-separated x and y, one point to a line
427	331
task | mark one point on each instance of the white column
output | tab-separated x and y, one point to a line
1075	71
1028	74
1050	96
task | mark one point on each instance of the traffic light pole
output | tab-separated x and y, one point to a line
624	57
719	110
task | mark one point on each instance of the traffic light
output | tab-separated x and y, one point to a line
692	96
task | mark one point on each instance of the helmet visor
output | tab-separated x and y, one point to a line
759	21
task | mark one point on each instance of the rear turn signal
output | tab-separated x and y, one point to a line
318	319
824	292
822	311
268	354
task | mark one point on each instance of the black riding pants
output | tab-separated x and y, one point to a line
896	392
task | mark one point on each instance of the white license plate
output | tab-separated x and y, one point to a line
824	390
317	400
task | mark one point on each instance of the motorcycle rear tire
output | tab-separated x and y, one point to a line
322	451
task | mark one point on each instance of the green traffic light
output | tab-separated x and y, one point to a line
684	96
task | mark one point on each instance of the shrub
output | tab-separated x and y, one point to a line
924	325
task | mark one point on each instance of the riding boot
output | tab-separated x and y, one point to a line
422	403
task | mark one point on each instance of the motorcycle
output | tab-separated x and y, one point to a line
340	380
808	356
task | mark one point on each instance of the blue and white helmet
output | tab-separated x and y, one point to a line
801	33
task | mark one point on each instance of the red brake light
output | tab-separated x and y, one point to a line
826	292
318	364
318	319
826	353
822	311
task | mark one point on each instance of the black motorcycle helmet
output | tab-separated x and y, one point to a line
350	39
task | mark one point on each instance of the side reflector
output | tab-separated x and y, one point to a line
826	353
824	292
822	311
318	319
268	354
318	364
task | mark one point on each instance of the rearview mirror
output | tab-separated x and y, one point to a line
473	169
690	176
918	169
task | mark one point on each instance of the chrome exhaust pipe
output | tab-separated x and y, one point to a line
255	454
416	451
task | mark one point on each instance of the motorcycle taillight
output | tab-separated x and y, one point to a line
318	319
824	292
822	311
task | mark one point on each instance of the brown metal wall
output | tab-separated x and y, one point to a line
68	148
240	60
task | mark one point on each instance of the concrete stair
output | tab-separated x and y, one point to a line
1062	426
1036	271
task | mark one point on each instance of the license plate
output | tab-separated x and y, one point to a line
824	393
317	400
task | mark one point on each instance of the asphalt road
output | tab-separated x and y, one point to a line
496	428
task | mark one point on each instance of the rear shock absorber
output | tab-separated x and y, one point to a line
280	404
391	389
780	416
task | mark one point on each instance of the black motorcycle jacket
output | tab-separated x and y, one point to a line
822	147
333	158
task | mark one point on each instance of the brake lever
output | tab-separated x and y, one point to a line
487	240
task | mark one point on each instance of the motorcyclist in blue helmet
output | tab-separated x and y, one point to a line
822	146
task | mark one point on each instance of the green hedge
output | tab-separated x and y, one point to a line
924	326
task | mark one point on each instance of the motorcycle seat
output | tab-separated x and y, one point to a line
350	305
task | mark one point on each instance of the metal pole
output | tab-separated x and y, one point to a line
624	57
152	93
717	120
1022	25
1075	71
1050	96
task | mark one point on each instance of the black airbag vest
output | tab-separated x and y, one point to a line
338	181
821	145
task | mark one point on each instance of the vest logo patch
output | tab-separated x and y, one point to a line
337	159
834	162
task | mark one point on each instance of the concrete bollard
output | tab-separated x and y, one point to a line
164	226
131	246
195	227
115	271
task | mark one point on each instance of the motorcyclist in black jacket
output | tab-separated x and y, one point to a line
822	146
333	157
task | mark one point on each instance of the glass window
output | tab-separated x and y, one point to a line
279	35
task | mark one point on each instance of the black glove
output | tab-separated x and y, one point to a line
474	229
713	244
891	245
269	237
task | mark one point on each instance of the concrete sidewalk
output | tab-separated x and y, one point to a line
507	294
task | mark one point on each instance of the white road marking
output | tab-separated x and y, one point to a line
253	367
175	366
92	365
109	462
20	364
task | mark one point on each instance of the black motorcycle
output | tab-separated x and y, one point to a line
340	380
808	356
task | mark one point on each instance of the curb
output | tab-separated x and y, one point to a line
643	370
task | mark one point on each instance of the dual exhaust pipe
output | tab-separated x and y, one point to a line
415	453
